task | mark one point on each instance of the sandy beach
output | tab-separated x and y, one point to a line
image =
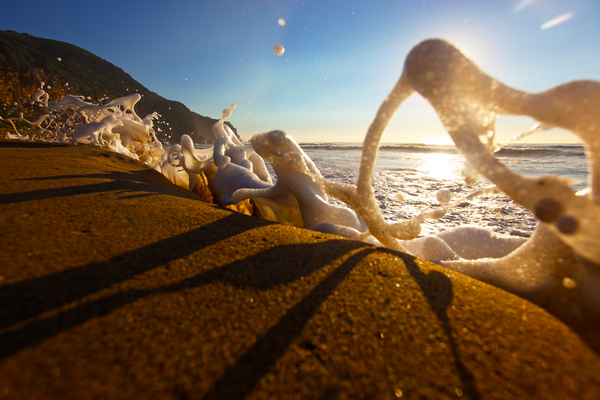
116	284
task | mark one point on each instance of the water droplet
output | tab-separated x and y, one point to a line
278	50
444	196
569	283
566	224
548	210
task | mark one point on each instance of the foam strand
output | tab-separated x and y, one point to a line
296	174
10	121
197	164
362	198
537	127
468	102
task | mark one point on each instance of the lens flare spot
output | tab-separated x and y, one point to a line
556	21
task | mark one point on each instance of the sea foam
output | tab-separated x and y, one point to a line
557	267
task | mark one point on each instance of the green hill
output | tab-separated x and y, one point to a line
27	61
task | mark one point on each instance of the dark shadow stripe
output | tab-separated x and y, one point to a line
262	271
239	380
24	300
21	143
148	180
43	194
437	289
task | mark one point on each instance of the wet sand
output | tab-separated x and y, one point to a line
116	284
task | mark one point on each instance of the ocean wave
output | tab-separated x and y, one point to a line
540	150
330	146
508	151
404	148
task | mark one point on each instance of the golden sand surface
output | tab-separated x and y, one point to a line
116	284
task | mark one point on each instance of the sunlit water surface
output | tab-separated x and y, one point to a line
419	172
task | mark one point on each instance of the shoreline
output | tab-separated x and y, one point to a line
117	284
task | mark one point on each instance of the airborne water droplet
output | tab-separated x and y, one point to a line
569	283
278	49
444	196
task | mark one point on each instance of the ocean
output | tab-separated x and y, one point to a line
418	172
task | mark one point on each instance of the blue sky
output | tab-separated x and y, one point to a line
341	57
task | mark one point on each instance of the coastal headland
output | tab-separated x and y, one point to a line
117	284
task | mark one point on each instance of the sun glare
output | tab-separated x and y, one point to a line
441	166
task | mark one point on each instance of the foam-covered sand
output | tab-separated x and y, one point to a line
114	283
